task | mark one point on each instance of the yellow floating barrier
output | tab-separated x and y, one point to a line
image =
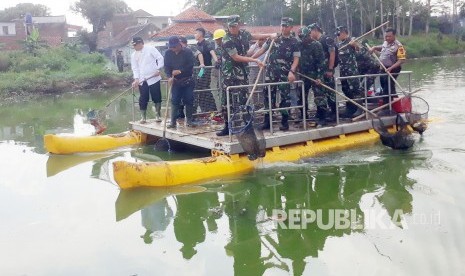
172	173
64	144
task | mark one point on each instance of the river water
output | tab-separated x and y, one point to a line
367	211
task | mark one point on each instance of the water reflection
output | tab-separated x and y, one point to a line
155	219
58	114
257	208
58	163
192	212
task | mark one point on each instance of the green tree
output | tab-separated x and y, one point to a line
98	13
21	9
33	42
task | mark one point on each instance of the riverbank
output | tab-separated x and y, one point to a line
431	45
24	77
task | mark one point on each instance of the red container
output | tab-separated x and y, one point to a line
404	105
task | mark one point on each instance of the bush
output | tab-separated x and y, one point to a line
94	58
431	45
5	62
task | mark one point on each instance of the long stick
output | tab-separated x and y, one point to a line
367	33
117	97
338	93
166	111
259	73
386	105
122	93
385	70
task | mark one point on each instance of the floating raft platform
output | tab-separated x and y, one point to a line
204	135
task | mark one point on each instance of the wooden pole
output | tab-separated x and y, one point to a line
338	93
385	70
367	33
386	105
259	73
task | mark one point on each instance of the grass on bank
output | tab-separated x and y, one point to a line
54	70
430	45
66	69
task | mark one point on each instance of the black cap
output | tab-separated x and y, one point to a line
183	39
314	26
287	21
233	20
173	41
342	29
137	40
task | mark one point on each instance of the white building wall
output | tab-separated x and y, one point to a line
7	29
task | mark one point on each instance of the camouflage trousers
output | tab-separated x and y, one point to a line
370	81
284	94
353	90
237	96
323	97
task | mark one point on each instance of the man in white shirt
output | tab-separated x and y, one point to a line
146	63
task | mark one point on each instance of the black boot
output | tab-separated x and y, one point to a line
266	122
174	116
180	114
350	110
224	131
331	115
189	116
284	122
321	117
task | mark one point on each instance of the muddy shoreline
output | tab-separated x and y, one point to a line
64	87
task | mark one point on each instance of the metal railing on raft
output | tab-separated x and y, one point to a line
230	91
215	88
209	82
367	98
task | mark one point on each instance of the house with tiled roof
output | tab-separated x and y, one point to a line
185	23
120	30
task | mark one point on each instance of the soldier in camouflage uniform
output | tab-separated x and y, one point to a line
313	65
284	59
367	64
348	67
329	49
235	45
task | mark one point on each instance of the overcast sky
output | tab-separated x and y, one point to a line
61	7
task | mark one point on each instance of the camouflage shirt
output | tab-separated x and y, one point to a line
196	53
347	59
235	45
328	46
313	61
282	56
366	63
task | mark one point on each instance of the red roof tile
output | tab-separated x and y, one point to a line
193	14
186	22
186	29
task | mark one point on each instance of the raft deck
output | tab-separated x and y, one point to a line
204	135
